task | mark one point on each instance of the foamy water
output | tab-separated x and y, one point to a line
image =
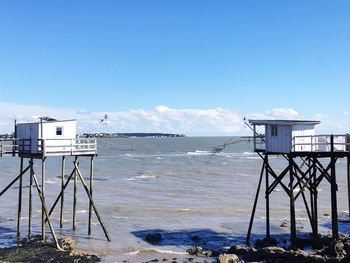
173	186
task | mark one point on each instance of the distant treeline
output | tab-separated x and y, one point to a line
113	135
132	134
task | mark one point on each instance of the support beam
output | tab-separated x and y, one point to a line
348	176
254	206
293	232
63	165
91	188
315	196
45	211
43	196
267	200
75	196
334	193
92	202
14	181
19	211
62	191
30	205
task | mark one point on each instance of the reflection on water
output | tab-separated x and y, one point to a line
174	186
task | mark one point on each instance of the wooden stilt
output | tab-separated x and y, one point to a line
315	195
267	200
92	202
62	191
254	206
43	196
75	196
348	177
45	211
91	187
293	232
14	181
19	211
334	193
30	205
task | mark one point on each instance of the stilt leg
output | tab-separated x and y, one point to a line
348	176
334	201
315	216
30	205
19	211
92	203
45	211
91	187
62	191
43	196
254	206
75	197
292	205
267	197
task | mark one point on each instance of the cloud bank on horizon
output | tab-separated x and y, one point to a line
215	121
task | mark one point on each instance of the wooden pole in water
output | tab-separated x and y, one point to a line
62	191
311	195
92	203
91	187
43	196
267	201
45	211
30	208
292	204
75	195
254	206
314	188
348	176
19	211
334	192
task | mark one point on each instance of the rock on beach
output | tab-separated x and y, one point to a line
34	250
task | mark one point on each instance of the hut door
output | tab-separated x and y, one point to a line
34	136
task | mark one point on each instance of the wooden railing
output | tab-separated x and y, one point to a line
57	146
321	143
259	143
7	146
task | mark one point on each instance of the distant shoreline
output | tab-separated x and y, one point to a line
131	135
115	135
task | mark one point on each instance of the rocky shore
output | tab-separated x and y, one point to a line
306	249
321	250
34	251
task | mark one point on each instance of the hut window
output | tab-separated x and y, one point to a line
273	130
59	130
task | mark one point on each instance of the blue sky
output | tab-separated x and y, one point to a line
285	59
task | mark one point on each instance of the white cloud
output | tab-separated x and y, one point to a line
330	125
276	113
215	121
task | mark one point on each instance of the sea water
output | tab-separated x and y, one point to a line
173	186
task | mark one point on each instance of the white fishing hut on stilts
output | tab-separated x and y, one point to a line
38	141
296	140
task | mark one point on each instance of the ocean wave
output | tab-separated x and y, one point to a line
155	250
53	181
121	217
248	153
143	177
198	153
82	211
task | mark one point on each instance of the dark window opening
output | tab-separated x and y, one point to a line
273	130
59	130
